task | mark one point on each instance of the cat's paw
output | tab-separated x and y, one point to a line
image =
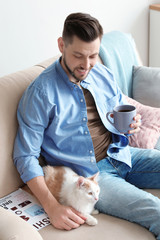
91	221
95	211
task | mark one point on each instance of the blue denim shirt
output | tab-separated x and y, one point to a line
52	118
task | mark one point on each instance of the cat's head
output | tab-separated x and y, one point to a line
88	188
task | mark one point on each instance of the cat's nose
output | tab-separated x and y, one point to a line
96	198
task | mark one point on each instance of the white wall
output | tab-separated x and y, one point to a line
29	28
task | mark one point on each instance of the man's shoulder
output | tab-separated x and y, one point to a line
46	78
49	72
102	72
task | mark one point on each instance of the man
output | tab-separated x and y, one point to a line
62	115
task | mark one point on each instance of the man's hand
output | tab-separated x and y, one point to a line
136	125
64	217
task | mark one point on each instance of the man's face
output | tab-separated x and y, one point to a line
78	57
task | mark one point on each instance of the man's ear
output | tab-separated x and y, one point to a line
60	44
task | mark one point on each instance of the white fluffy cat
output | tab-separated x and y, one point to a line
73	190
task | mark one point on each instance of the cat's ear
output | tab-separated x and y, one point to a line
80	181
94	177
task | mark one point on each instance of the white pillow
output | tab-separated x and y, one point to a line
146	85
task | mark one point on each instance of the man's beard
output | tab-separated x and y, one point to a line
72	72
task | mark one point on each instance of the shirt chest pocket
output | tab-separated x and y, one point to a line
111	103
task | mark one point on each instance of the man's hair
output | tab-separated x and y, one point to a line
84	26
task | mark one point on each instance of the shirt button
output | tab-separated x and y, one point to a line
92	160
86	132
90	151
81	99
84	119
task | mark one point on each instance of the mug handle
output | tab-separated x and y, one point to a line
107	116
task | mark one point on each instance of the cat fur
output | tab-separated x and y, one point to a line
73	190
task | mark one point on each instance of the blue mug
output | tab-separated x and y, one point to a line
122	117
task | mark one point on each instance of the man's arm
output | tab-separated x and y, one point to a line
33	114
61	217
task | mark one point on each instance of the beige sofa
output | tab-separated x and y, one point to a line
11	89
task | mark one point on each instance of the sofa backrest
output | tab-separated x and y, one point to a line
11	89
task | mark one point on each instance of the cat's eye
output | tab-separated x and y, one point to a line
90	193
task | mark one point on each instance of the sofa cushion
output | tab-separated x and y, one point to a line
11	89
158	144
146	85
108	227
17	228
48	62
150	128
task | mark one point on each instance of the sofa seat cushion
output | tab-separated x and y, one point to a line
108	227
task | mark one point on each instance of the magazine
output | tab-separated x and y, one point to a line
27	207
